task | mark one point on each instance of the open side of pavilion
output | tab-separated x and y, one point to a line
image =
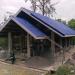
32	34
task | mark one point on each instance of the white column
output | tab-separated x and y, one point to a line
52	44
28	47
9	42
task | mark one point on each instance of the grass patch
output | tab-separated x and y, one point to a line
65	70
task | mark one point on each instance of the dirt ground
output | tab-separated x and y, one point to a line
9	69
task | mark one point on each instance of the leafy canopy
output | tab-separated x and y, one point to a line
44	6
71	23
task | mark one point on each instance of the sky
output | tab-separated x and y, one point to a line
65	9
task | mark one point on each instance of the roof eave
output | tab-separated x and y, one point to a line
36	37
69	36
24	10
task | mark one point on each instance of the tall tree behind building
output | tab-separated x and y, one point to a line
71	23
44	6
62	21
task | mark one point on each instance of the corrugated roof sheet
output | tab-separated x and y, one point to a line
59	27
28	27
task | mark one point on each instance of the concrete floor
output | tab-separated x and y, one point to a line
36	62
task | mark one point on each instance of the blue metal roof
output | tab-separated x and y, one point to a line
57	26
61	29
36	33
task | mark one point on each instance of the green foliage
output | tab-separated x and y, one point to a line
46	7
71	23
3	42
63	21
63	71
66	70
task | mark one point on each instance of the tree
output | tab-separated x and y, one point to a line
65	69
45	7
71	23
3	42
62	21
6	16
33	2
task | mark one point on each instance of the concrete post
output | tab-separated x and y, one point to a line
28	47
62	51
42	48
69	43
66	42
9	43
52	44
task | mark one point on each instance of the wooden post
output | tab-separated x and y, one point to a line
9	43
52	44
28	47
